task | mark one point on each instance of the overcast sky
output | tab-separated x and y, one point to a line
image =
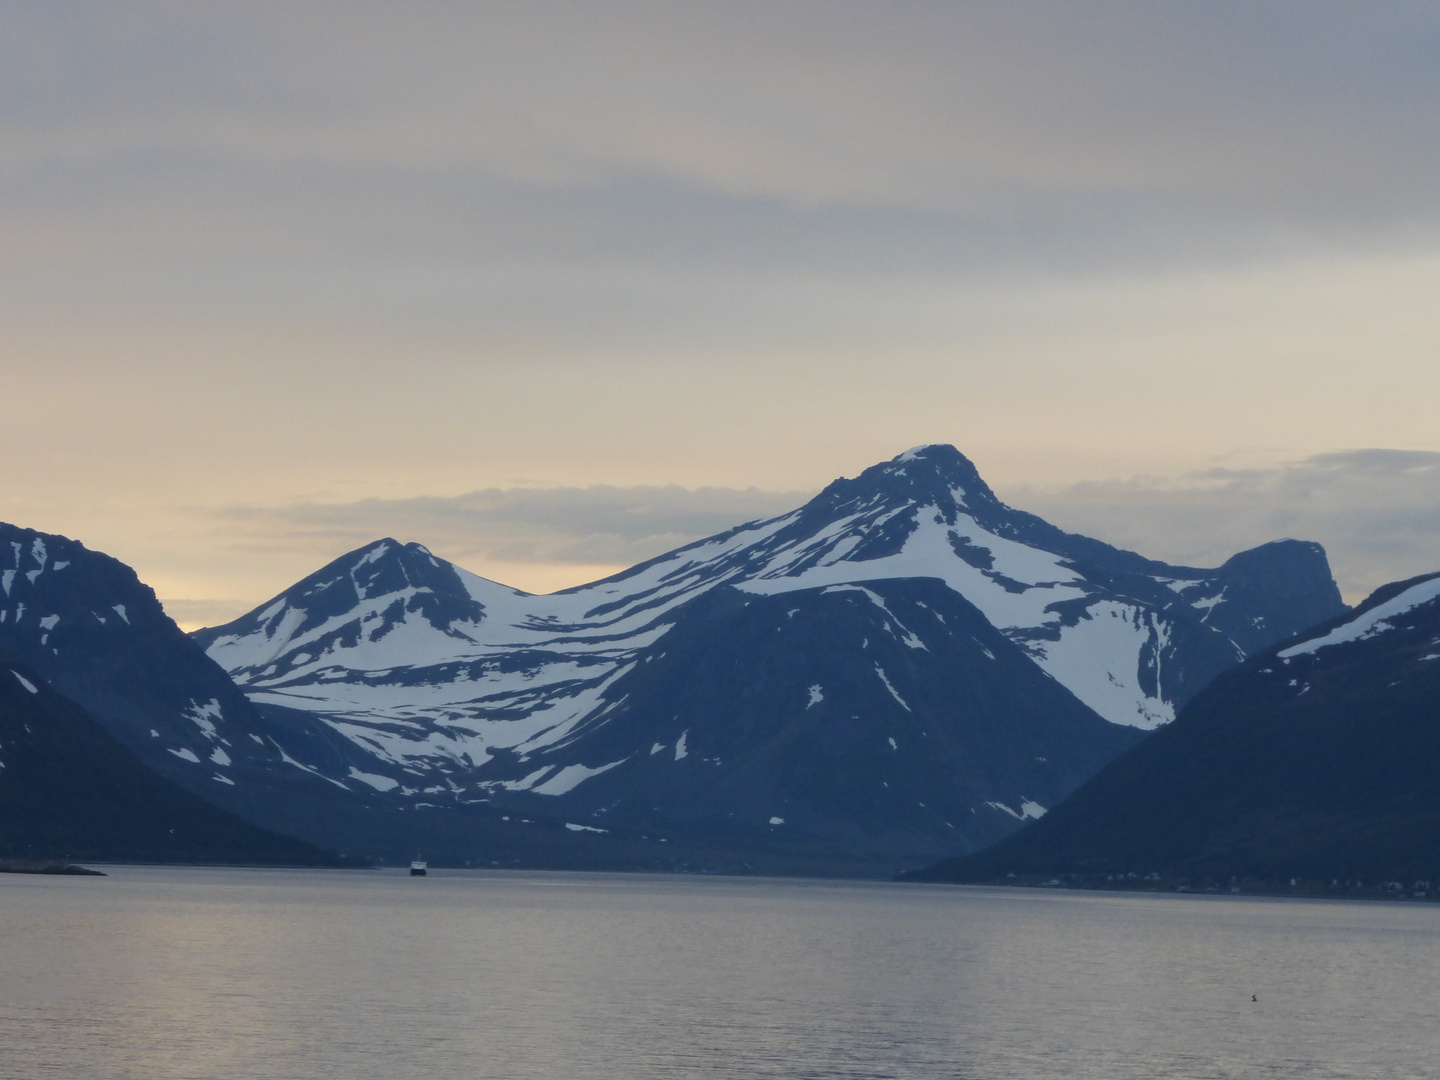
551	287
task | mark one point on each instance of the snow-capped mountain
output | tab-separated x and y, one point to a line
1312	763
903	663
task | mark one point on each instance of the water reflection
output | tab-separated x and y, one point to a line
238	974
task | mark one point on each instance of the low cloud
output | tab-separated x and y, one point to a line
590	526
1376	511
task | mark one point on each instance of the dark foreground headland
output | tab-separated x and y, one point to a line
46	866
1308	770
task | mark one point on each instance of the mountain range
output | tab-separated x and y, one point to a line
903	668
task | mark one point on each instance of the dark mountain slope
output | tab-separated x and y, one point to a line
70	790
886	717
1318	759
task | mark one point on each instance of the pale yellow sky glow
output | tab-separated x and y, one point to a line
272	278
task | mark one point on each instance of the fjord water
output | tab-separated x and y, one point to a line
238	974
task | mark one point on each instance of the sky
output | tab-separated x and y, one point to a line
553	287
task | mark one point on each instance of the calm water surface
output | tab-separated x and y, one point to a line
237	974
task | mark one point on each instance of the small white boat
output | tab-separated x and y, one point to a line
419	868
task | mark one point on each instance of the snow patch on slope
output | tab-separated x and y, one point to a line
889	686
1375	621
570	777
379	783
1029	809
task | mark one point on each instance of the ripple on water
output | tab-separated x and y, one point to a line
234	974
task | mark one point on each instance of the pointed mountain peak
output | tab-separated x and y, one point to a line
364	594
939	460
387	550
936	474
942	452
386	566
